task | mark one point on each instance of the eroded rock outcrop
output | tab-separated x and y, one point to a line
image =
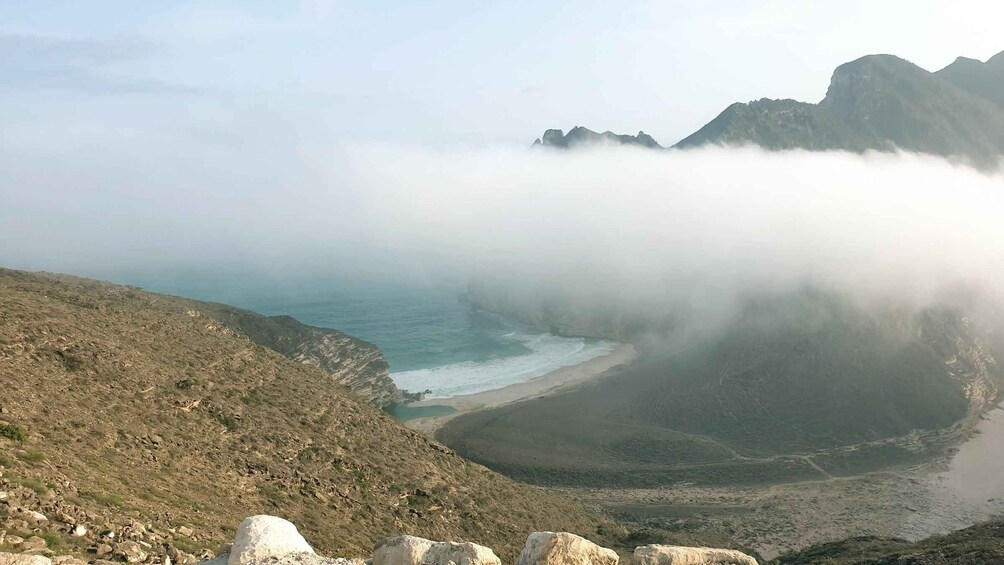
563	548
264	537
402	550
678	555
23	559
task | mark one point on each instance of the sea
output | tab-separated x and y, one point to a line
434	341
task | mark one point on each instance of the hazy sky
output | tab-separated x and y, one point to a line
438	73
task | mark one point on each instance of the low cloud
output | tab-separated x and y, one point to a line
677	227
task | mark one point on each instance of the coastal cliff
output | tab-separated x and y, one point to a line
349	361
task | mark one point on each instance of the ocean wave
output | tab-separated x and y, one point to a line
548	353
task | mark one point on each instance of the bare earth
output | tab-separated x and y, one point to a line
555	381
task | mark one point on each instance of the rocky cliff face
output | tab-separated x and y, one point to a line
583	137
349	361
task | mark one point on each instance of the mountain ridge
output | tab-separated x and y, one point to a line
874	103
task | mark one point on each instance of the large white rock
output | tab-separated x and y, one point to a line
680	555
451	553
402	550
563	548
262	537
23	559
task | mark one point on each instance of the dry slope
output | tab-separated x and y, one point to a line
138	407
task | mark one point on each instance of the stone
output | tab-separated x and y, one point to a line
67	560
262	537
13	540
680	555
34	517
451	553
79	531
402	550
103	549
563	548
131	552
185	531
23	559
33	543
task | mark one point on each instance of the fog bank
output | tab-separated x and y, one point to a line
615	223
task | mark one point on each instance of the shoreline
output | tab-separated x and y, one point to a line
544	385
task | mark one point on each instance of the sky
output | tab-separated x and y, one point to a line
448	73
322	138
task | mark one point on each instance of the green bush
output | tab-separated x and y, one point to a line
12	432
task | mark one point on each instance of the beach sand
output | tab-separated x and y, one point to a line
555	381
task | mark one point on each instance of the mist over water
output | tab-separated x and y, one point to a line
667	230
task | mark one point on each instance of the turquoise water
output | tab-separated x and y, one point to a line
432	340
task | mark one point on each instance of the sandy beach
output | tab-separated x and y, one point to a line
555	381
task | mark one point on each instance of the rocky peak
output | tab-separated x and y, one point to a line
584	137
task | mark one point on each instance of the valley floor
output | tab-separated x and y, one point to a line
936	497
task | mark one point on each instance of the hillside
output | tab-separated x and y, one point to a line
799	386
140	414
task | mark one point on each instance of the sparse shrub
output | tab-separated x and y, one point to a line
229	422
13	432
52	540
31	456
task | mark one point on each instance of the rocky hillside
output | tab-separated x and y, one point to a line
352	362
582	137
135	425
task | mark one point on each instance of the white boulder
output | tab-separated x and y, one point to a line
23	559
680	555
263	537
402	550
563	548
451	553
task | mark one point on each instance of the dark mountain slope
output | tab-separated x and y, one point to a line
982	79
978	545
799	386
878	102
120	407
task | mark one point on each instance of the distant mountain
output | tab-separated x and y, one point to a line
879	102
982	79
580	137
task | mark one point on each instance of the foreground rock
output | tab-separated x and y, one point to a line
263	537
402	550
562	548
267	540
23	559
450	553
678	555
